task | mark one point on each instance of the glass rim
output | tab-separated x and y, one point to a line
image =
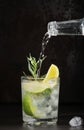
32	78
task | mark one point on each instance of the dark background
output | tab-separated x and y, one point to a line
22	27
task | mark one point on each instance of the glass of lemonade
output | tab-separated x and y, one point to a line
40	99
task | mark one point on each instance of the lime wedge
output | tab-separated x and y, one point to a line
35	86
30	106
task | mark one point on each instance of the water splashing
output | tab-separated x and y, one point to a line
45	41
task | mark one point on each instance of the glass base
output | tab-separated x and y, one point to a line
28	120
40	122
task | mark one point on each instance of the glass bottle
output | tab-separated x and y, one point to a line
70	27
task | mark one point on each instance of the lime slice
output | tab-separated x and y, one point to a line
27	105
35	86
52	73
30	106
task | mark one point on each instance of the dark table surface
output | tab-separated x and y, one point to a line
11	117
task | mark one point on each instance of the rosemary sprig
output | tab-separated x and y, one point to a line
33	65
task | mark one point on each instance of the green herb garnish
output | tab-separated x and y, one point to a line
33	65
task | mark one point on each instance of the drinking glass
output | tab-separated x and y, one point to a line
40	100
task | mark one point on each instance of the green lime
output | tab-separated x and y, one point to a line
30	106
35	86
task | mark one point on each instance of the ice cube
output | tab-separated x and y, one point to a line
76	121
49	109
54	113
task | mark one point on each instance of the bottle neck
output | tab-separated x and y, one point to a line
71	27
